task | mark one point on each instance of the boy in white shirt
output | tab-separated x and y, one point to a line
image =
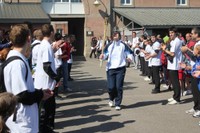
174	59
58	62
16	82
46	77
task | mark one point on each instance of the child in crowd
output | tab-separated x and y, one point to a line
7	107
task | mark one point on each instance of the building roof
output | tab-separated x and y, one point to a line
162	17
21	12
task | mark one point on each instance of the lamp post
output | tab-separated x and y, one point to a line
97	3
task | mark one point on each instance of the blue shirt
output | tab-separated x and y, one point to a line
197	63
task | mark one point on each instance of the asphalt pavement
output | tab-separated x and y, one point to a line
86	110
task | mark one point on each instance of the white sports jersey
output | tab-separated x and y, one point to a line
27	115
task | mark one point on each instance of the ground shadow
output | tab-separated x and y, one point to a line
81	121
144	103
104	127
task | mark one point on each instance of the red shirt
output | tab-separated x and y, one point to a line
190	44
66	51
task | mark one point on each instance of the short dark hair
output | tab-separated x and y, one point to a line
47	29
117	32
174	29
19	35
57	36
196	30
134	32
153	34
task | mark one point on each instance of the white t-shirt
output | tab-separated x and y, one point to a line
45	54
117	53
176	49
148	49
141	53
198	43
155	61
128	42
15	82
135	41
35	52
58	61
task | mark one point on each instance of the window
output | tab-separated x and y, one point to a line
126	2
76	1
47	0
0	1
181	2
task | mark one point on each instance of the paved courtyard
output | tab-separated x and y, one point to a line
86	110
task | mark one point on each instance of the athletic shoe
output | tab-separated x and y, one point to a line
188	92
118	108
196	114
147	79
165	86
154	91
111	103
191	111
173	102
171	99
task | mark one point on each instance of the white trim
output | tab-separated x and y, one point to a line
131	2
181	3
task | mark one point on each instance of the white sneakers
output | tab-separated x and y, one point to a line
111	104
196	114
118	108
165	86
171	101
188	92
147	79
191	111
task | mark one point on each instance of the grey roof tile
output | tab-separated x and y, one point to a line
153	17
22	12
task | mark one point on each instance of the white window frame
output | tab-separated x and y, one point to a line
181	3
131	2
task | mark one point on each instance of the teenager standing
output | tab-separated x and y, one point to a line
117	53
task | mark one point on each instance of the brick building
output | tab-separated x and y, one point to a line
85	19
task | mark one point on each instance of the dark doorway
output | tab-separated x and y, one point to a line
75	27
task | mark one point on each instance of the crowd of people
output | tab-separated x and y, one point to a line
45	57
35	64
171	61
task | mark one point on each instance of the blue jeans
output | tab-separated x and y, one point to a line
115	81
65	74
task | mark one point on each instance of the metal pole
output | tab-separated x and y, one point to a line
104	38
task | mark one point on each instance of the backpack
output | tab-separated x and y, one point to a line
3	65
